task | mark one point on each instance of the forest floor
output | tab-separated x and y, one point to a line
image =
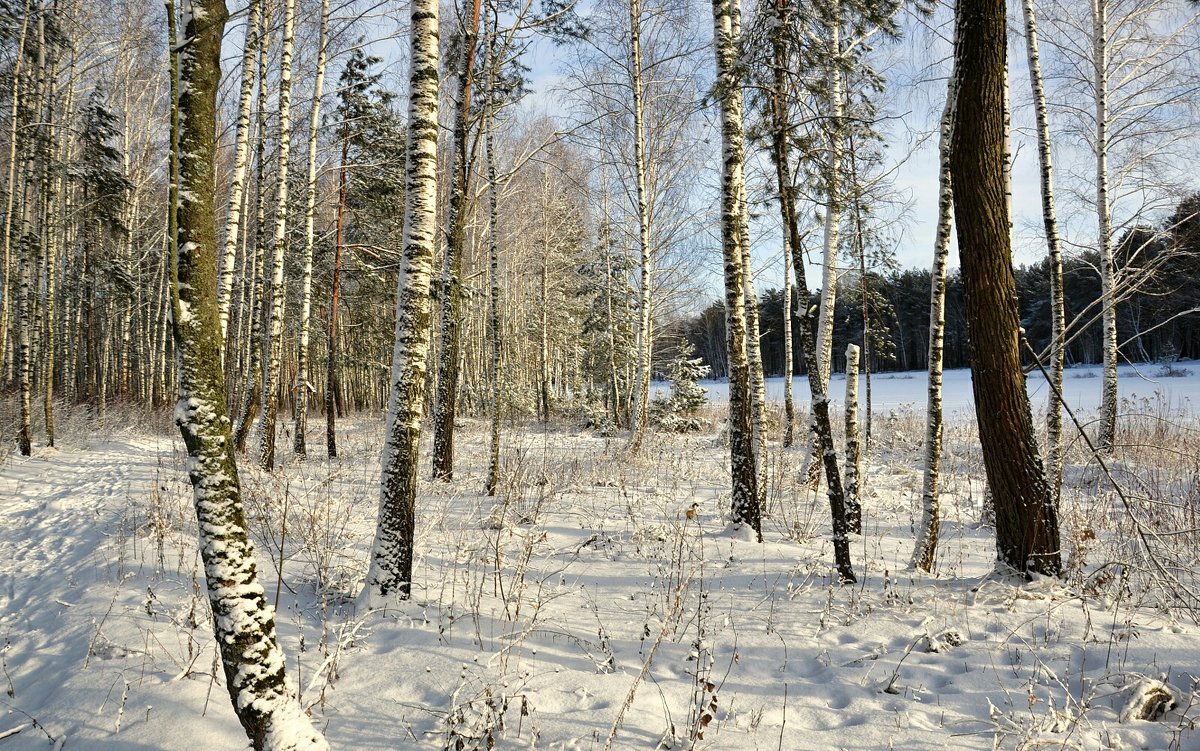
600	597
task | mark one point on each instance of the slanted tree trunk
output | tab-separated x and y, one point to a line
821	424
930	524
244	622
445	404
1026	516
238	184
1054	440
390	574
273	323
310	211
745	508
645	343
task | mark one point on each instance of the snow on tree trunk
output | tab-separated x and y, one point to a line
389	577
645	269
853	456
445	403
1026	516
1054	440
745	508
273	329
1108	273
821	425
243	620
310	210
930	524
238	184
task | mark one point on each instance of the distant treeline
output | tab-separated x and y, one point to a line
1158	313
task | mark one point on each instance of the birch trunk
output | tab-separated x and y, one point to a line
238	185
493	475
250	391
832	234
853	454
745	508
310	210
930	525
1108	273
789	406
244	621
390	575
273	329
446	399
50	243
821	424
1054	440
11	188
645	269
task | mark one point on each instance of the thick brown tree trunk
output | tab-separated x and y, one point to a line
1026	517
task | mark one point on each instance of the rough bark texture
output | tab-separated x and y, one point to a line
1058	326
1026	517
745	507
446	404
390	575
930	524
244	621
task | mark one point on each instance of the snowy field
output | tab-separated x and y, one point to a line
1081	387
587	608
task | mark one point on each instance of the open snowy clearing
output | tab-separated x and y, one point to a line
599	587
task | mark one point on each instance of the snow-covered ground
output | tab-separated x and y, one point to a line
600	592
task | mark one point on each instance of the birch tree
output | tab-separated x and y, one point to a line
272	343
310	212
779	127
244	622
1058	323
930	525
240	154
745	508
389	576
